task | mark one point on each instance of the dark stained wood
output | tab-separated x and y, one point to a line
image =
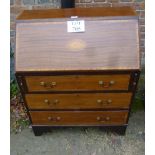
74	83
40	129
79	117
81	12
78	101
134	82
75	72
105	45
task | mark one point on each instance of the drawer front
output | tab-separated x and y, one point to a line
79	117
78	100
81	82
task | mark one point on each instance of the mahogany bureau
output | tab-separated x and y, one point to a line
78	67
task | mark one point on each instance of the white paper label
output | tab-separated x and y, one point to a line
76	26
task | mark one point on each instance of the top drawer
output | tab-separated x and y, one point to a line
77	82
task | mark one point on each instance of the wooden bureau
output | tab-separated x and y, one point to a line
82	78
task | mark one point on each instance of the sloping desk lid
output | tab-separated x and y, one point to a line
108	43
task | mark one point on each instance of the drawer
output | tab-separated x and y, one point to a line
81	82
78	100
79	117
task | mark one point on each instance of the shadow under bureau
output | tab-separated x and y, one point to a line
78	67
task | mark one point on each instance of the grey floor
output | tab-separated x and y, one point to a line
79	141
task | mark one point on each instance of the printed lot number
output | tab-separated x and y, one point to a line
76	26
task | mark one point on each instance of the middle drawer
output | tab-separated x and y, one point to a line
78	100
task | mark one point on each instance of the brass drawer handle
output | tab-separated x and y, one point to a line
103	119
46	101
56	101
51	85
42	83
104	102
106	84
50	118
99	101
101	83
112	82
54	119
109	101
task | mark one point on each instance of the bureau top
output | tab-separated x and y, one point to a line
108	43
80	12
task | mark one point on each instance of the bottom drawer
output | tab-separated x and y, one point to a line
79	117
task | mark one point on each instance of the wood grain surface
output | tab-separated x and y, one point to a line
105	45
77	82
79	117
81	12
78	101
45	51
